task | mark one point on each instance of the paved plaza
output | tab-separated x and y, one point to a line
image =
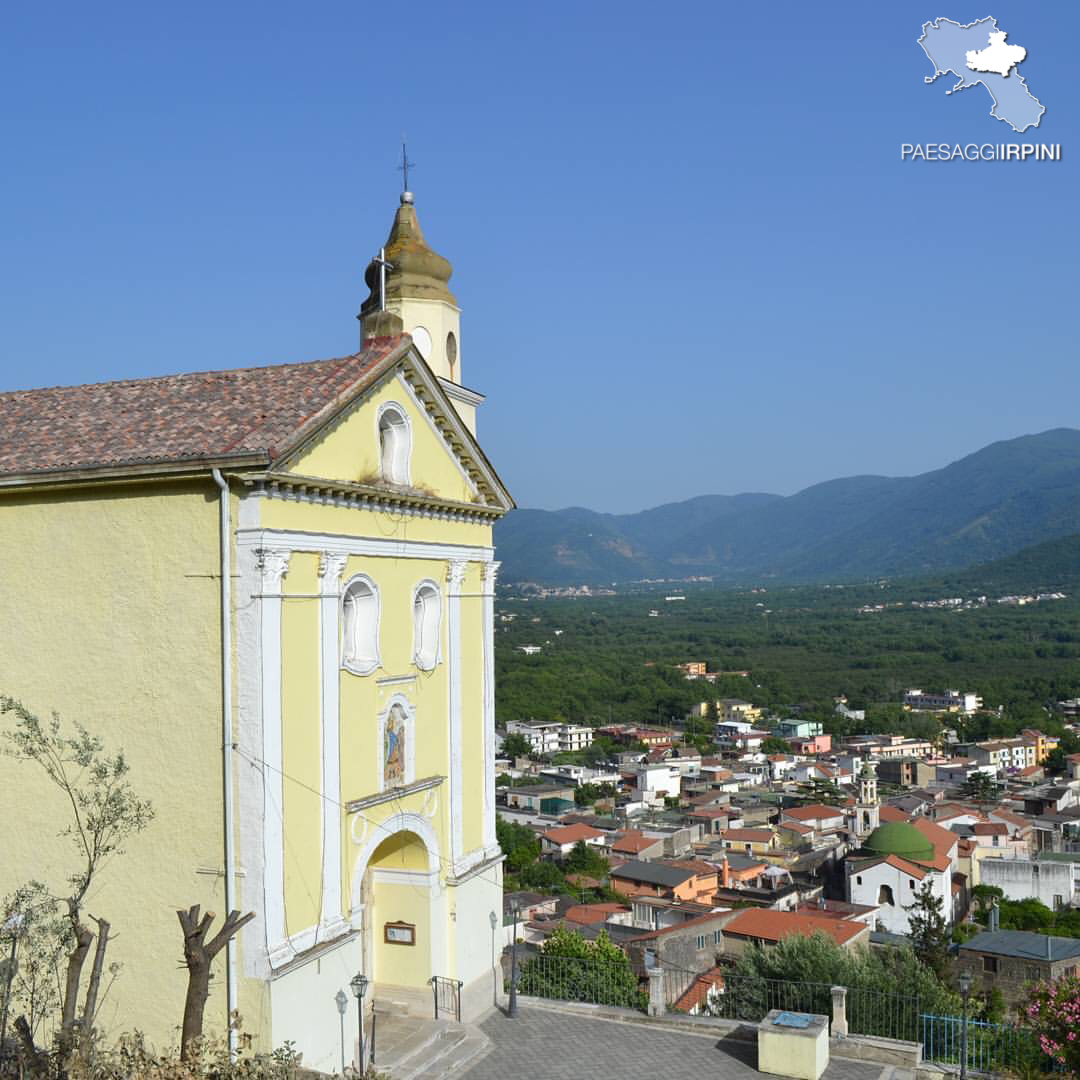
542	1044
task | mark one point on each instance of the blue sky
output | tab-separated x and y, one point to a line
689	256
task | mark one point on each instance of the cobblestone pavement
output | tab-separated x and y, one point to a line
547	1045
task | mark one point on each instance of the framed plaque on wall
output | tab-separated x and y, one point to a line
399	933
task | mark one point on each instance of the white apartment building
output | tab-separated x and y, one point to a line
574	736
1005	753
550	737
949	701
655	782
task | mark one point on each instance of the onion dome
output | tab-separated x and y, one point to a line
899	838
416	272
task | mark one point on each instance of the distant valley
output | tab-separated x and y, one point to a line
1001	500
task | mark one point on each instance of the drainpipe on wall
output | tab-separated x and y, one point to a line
227	747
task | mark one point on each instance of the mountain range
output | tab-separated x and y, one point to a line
1006	497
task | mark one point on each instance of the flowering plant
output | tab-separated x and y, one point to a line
1053	1015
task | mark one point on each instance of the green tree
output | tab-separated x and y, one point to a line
818	959
583	859
105	813
929	931
516	745
570	968
775	745
519	844
1056	762
821	791
981	787
542	875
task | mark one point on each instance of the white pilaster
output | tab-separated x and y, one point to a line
273	566
331	567
455	579
491	571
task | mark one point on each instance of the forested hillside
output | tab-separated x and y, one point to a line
607	658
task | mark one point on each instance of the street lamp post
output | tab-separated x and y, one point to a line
515	910
359	984
964	981
341	999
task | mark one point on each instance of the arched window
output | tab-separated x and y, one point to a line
427	611
360	606
394	445
885	895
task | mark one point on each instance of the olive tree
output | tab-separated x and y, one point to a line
103	812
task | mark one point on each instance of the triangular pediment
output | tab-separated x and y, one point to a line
443	463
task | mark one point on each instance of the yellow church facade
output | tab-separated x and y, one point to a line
274	588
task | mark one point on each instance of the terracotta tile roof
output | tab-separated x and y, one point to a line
942	839
257	411
747	836
699	866
892	813
697	993
795	827
571	834
990	828
633	841
590	914
776	925
914	869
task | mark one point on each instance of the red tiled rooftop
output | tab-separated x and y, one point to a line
776	925
633	841
590	914
571	834
256	412
697	993
747	836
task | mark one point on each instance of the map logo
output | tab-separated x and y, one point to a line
980	54
977	54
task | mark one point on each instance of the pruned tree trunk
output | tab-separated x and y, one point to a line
199	956
90	1003
76	960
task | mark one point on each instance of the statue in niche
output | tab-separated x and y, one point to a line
394	748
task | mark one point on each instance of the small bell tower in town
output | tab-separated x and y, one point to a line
867	810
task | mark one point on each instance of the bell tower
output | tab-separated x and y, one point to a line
867	810
409	290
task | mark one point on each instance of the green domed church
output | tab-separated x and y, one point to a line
895	859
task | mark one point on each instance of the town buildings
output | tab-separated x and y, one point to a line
952	701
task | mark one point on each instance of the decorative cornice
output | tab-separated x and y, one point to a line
391	794
474	871
390	500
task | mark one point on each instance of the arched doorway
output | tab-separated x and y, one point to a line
396	886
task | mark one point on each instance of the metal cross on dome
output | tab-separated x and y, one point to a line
404	167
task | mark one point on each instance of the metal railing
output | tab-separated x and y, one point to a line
447	996
991	1048
746	997
581	979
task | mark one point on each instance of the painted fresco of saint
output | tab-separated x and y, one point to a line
394	748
